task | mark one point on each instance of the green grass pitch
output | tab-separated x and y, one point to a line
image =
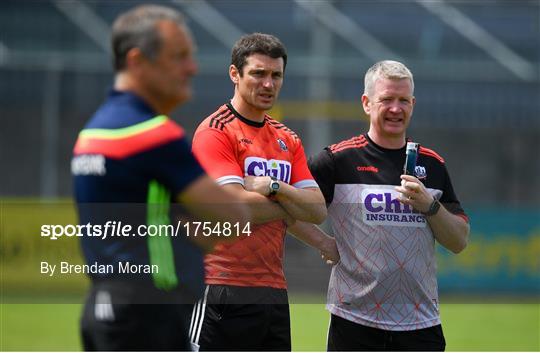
467	327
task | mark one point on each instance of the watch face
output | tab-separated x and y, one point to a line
433	208
275	186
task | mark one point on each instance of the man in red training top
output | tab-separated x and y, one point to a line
245	306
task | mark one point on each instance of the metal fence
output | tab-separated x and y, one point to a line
476	66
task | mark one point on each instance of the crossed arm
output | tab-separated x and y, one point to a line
301	204
262	208
205	199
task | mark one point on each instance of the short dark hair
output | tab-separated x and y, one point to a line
257	43
136	28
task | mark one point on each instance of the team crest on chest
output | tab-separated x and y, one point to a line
282	145
420	172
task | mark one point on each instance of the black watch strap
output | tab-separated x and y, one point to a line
273	186
433	208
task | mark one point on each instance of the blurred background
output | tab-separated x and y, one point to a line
477	84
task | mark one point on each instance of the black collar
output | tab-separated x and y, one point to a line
245	120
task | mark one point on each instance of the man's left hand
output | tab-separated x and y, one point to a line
414	193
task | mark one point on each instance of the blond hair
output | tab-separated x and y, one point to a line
389	69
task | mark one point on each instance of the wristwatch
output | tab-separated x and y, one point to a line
273	186
433	208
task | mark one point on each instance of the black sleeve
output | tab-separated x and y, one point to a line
449	198
322	169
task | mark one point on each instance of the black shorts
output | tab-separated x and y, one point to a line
345	335
233	318
113	323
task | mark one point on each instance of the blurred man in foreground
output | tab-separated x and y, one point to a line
383	293
131	161
245	306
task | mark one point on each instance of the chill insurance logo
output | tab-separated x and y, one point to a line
381	207
276	168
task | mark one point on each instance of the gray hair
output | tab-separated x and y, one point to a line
136	28
393	70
